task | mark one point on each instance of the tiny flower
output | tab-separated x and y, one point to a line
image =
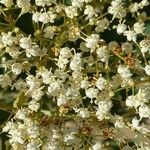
147	69
91	92
121	28
17	68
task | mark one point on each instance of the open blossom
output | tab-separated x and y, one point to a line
74	74
103	109
96	146
7	3
77	3
91	92
17	68
124	71
92	41
139	27
89	11
71	11
76	62
147	69
121	28
145	46
131	35
102	25
44	2
144	111
117	9
25	42
101	83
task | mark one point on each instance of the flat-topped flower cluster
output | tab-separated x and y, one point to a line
81	79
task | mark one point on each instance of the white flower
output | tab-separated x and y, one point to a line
101	25
71	11
77	3
7	3
84	113
25	42
117	9
91	92
70	138
33	145
7	39
103	109
33	51
119	123
121	28
85	84
21	114
131	35
97	146
33	82
102	54
62	100
145	46
33	105
130	101
44	2
49	32
47	17
76	62
101	83
137	100
124	71
65	52
35	16
8	126
13	51
33	130
89	11
17	68
24	4
36	94
147	69
54	87
135	124
139	27
5	80
143	3
144	111
62	62
134	7
92	41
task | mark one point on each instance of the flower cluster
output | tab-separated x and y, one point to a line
80	78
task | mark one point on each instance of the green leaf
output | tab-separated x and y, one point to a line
147	28
20	101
